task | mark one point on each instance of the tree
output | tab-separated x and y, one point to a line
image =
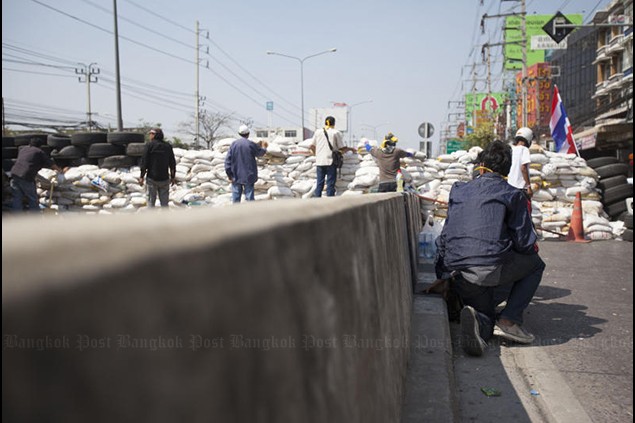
482	135
212	127
177	143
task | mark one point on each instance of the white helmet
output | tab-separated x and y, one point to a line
243	130
525	133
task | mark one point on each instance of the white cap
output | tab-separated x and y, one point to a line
243	130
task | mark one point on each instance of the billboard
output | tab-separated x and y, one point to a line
539	92
317	116
534	24
481	107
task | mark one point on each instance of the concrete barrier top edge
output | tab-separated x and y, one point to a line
32	245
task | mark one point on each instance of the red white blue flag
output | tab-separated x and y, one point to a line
561	131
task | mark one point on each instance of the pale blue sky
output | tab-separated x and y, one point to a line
409	57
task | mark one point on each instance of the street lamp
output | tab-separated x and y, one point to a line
350	119
374	127
301	60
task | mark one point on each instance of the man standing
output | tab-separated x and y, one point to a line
157	160
31	159
324	143
388	160
488	246
519	172
240	164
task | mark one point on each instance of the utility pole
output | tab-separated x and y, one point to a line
523	44
197	110
523	36
87	72
198	100
117	76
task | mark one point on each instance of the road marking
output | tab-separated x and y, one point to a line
529	368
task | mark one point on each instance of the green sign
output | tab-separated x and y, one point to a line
534	24
492	104
454	145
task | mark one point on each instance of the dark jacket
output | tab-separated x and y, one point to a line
29	162
487	220
240	162
157	159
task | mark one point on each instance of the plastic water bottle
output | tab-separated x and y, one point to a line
424	246
427	247
431	251
399	181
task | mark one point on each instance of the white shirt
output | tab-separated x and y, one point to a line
520	157
323	154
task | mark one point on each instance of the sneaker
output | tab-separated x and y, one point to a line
470	339
501	306
514	333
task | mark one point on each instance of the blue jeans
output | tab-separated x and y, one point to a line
520	278
237	192
21	188
331	174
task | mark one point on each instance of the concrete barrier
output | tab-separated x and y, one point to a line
284	311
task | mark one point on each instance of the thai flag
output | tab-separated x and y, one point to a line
560	127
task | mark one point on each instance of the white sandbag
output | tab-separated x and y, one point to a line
280	191
119	203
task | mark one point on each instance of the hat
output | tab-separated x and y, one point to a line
524	134
156	131
243	130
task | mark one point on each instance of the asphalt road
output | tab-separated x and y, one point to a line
580	367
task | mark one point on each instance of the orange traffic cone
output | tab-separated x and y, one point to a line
576	230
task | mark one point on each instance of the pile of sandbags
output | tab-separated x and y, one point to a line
288	171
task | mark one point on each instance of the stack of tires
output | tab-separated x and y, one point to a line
9	153
11	146
612	181
109	150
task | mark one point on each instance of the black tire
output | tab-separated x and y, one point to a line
628	235
601	161
125	138
627	218
117	161
9	152
615	209
70	152
97	151
611	182
88	138
25	139
8	141
58	142
618	193
612	170
135	149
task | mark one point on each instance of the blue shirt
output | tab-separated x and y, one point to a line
240	162
487	221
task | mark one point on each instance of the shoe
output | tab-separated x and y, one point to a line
470	339
501	306
514	333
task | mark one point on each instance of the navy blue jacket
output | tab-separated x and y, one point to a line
487	220
240	162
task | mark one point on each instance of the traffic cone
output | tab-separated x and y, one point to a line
576	229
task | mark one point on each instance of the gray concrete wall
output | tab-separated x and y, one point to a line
285	311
